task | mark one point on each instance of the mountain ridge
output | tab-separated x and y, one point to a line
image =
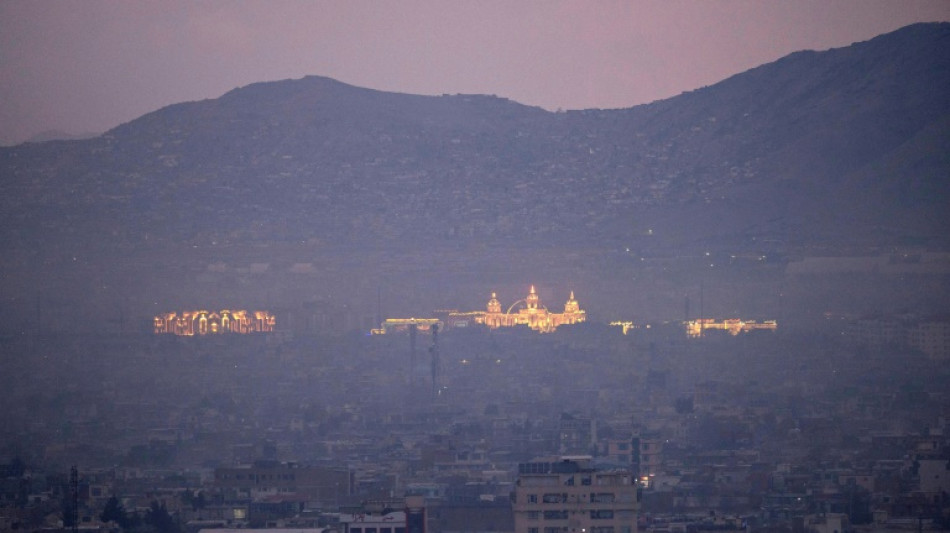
811	149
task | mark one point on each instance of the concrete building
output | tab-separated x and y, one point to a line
932	337
270	478
566	494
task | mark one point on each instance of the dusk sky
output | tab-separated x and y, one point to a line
89	66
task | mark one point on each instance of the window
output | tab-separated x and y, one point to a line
602	497
560	514
533	515
532	498
553	497
599	514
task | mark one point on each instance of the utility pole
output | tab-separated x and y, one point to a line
702	320
73	511
436	363
413	331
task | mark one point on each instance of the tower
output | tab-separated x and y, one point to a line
436	363
494	306
532	300
413	330
72	513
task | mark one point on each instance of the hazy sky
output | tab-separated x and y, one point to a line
88	66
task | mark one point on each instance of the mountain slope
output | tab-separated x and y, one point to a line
818	148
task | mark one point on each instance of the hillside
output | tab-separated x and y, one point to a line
846	146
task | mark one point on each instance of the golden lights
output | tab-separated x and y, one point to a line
735	326
189	323
528	311
532	314
624	325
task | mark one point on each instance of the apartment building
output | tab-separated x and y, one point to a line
567	494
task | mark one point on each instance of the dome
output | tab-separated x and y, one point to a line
571	306
494	306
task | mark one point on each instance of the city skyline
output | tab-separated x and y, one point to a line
752	276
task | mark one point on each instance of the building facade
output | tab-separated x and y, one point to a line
189	323
932	337
270	478
530	312
735	326
567	495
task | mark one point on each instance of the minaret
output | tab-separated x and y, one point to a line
494	306
532	300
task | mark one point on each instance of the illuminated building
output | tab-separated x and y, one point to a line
529	312
735	326
189	323
625	326
567	494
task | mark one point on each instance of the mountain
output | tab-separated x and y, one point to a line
57	135
845	147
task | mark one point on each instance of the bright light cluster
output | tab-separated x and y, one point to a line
695	328
189	323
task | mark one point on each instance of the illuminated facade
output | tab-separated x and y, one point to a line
189	323
626	326
735	326
529	312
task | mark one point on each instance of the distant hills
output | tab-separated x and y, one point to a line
57	135
846	148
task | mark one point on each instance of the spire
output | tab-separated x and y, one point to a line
494	306
532	300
